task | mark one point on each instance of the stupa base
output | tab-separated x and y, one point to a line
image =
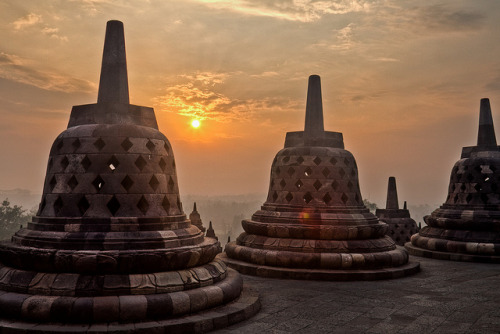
320	274
242	308
450	256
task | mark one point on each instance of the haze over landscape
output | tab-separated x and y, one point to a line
401	80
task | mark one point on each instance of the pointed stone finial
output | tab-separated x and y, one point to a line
113	85
404	206
392	195
228	238
210	231
314	108
486	134
194	207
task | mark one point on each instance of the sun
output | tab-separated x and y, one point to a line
195	123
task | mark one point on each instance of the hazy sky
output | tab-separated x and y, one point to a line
401	80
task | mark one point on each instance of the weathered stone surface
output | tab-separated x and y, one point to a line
314	224
110	249
467	226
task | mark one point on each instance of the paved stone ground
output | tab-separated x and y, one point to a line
445	297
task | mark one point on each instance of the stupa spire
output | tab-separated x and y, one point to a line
314	108
113	85
486	134
392	195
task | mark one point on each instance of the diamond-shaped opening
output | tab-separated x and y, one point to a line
272	183
127	144
140	163
86	163
278	170
58	204
325	172
289	197
463	187
153	183
64	162
468	198
113	205
275	196
286	159
453	187
299	184
317	185
127	183
282	183
478	187
349	185
113	163
317	161
76	144
167	149
300	160
99	144
333	161
344	198
347	161
42	206
98	183
171	183
72	182
353	172
478	169
60	145
150	145
493	168
179	204
470	177
165	204
52	183
308	171
335	185
290	171
307	197
143	205
341	172
162	164
327	198
83	205
455	199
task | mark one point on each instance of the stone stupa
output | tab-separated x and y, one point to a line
195	219
467	226
314	224
401	225
110	248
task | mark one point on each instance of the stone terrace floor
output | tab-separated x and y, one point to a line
445	297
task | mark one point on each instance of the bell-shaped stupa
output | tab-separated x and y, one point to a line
110	248
314	224
467	226
401	225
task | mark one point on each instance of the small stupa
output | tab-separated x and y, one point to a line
467	226
211	232
401	225
314	224
110	248
195	219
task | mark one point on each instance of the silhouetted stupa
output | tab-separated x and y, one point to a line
314	224
401	225
195	219
110	248
467	226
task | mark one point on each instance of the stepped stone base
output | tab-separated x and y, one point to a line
320	274
244	307
452	256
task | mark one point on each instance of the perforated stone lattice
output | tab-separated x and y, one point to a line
298	179
120	176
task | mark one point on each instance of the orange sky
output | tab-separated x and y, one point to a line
401	80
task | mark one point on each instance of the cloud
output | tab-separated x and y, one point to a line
20	70
200	97
27	21
292	10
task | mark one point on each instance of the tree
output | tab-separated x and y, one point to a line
371	206
11	217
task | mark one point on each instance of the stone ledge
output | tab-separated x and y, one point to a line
451	256
321	274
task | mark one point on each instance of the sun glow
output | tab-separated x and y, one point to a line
195	123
